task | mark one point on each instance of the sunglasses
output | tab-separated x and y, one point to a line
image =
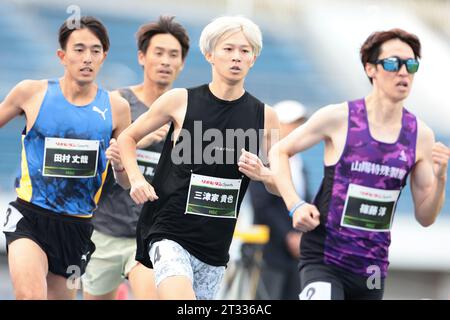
393	64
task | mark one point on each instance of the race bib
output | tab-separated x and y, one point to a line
70	158
12	218
369	209
319	290
147	162
214	197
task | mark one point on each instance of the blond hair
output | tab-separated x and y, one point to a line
221	26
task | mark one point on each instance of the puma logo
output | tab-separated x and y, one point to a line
96	109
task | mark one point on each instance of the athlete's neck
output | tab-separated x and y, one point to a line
226	91
76	93
383	110
147	92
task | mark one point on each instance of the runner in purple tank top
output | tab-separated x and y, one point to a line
371	146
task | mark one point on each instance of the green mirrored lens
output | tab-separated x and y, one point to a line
412	66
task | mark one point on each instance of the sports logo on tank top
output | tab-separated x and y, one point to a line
402	156
102	113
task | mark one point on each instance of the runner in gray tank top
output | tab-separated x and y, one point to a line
163	46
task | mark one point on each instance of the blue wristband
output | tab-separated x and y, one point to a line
297	205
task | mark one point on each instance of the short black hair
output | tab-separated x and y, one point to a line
165	24
88	22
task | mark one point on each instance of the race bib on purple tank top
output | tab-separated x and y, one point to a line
369	209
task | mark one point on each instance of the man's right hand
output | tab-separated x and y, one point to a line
306	218
142	191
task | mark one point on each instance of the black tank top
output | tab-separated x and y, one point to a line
204	232
117	214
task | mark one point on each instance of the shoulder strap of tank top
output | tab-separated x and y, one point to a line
358	129
53	85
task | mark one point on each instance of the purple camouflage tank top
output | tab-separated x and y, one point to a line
358	197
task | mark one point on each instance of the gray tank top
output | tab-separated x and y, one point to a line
117	214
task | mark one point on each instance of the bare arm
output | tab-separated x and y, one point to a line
166	108
322	126
15	101
271	137
154	137
121	120
250	164
429	176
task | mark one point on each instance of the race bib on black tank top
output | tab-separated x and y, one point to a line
214	197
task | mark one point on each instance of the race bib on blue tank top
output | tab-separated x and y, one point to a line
70	158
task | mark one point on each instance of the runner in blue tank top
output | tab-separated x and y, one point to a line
71	126
371	146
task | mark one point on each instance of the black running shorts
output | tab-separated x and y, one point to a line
66	240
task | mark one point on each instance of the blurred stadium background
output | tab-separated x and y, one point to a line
310	54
